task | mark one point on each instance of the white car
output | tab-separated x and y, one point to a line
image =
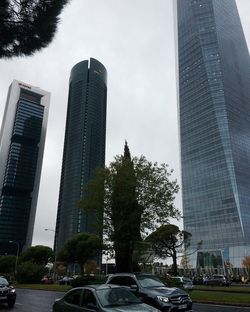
183	282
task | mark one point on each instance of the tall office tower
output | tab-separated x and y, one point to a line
22	141
84	146
214	115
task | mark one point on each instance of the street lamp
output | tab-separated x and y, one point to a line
54	273
17	253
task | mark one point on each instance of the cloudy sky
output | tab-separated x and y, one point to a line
134	39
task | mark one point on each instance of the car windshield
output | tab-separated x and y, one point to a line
187	280
111	297
149	281
3	281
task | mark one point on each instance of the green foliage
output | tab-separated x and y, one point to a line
27	25
37	254
129	198
167	240
7	264
29	272
80	248
88	280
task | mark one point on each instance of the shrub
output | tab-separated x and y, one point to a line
30	273
87	280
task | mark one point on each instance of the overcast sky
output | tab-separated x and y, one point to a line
134	39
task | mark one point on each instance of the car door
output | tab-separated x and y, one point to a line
72	301
89	302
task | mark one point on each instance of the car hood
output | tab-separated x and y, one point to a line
132	308
166	291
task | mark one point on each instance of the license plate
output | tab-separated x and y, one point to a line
182	306
3	298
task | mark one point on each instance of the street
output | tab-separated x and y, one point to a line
41	301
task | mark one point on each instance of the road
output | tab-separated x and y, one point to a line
42	301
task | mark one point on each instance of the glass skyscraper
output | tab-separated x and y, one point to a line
22	140
214	118
84	146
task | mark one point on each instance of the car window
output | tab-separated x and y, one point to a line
116	297
123	281
74	297
89	298
3	281
149	281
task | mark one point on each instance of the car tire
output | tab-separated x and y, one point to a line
11	303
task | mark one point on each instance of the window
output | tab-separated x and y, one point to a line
89	298
123	281
74	297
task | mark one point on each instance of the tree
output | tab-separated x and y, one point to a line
27	25
130	197
80	248
7	264
167	241
246	262
37	254
30	272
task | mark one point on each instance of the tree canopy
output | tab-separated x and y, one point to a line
7	264
130	197
37	254
27	26
167	241
80	248
246	262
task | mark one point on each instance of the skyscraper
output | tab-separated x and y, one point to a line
22	141
214	115
84	146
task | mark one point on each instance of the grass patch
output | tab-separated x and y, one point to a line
220	297
230	289
51	287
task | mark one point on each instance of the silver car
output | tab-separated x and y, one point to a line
103	298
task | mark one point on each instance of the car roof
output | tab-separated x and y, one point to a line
98	286
131	274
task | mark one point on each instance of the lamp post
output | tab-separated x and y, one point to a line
17	253
54	273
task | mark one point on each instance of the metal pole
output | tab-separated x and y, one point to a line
54	266
17	253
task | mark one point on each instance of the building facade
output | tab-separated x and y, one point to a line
214	121
84	146
22	141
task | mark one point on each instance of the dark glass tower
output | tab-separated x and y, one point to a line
214	115
84	146
21	152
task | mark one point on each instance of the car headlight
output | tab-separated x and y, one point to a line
163	299
12	291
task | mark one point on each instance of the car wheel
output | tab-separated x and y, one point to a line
11	303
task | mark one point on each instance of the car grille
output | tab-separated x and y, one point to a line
181	299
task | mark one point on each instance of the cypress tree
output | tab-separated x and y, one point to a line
126	213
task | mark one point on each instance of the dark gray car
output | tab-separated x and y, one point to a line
7	292
101	298
151	290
